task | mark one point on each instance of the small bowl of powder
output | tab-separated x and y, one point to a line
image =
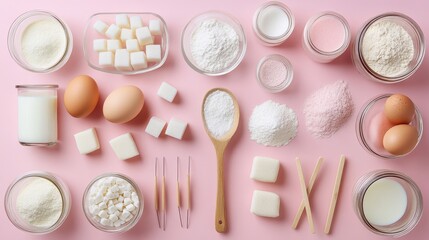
389	48
40	42
37	202
213	43
274	73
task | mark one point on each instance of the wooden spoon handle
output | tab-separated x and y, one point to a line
220	221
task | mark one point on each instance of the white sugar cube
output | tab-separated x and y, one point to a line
126	34
100	26
103	214
87	141
155	27
176	128
265	204
113	32
155	126
167	91
106	59
122	60
124	146
122	21
105	222
136	22
113	45
125	214
130	207
265	169
132	45
153	53
113	218
144	36
100	45
138	60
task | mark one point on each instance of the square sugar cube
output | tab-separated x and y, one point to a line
176	128
155	27
265	204
132	45
106	59
113	45
144	36
100	45
122	21
87	141
113	32
138	60
100	26
135	22
265	169
122	60
155	126
153	53
167	91
124	146
126	34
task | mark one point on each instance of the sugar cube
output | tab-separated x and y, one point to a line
132	45
113	45
136	22
153	53
100	26
144	36
126	34
100	45
155	27
124	146
122	21
122	60
176	128
113	32
265	169
138	60
167	91
106	59
87	141
155	126
265	204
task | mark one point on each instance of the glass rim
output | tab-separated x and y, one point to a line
37	86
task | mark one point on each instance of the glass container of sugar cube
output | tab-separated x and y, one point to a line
126	43
113	203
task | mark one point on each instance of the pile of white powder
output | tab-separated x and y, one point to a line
273	124
219	113
214	45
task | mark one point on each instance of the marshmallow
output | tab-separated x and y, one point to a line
132	45
126	34
124	146
176	128
155	27
122	21
144	36
136	22
113	45
100	26
265	204
265	169
122	60
87	141
100	45
113	32
155	126
167	92
153	53
106	59
138	60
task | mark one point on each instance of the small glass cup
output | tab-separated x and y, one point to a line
414	203
277	79
37	115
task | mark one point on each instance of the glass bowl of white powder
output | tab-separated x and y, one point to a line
213	43
389	48
40	42
37	202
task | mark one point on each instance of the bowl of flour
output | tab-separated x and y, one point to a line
213	43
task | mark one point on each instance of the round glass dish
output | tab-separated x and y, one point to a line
363	122
224	18
16	33
274	73
88	197
19	185
416	34
409	202
269	19
92	57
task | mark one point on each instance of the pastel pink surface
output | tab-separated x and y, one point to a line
77	170
327	34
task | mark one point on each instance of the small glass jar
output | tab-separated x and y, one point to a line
22	183
407	203
274	73
326	36
37	115
273	23
417	37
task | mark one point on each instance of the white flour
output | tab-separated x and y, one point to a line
273	124
219	113
387	48
214	45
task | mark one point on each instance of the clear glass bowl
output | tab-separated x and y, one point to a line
13	191
413	30
15	34
363	121
222	17
112	229
109	18
278	86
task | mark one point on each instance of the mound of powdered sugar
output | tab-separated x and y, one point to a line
327	109
219	113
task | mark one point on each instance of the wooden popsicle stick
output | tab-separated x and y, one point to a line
335	194
310	187
304	195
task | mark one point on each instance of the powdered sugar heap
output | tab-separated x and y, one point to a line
327	109
219	113
214	45
273	124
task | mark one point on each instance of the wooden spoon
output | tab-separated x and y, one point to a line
220	144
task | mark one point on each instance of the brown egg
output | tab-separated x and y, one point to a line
400	139
81	96
399	109
123	104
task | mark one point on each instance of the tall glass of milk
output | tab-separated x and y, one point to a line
37	115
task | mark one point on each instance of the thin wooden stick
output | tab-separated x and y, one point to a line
335	194
310	187
188	205
304	195
163	196
178	192
156	193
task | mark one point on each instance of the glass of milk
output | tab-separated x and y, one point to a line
388	202
37	115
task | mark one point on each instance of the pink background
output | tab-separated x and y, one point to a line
77	171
